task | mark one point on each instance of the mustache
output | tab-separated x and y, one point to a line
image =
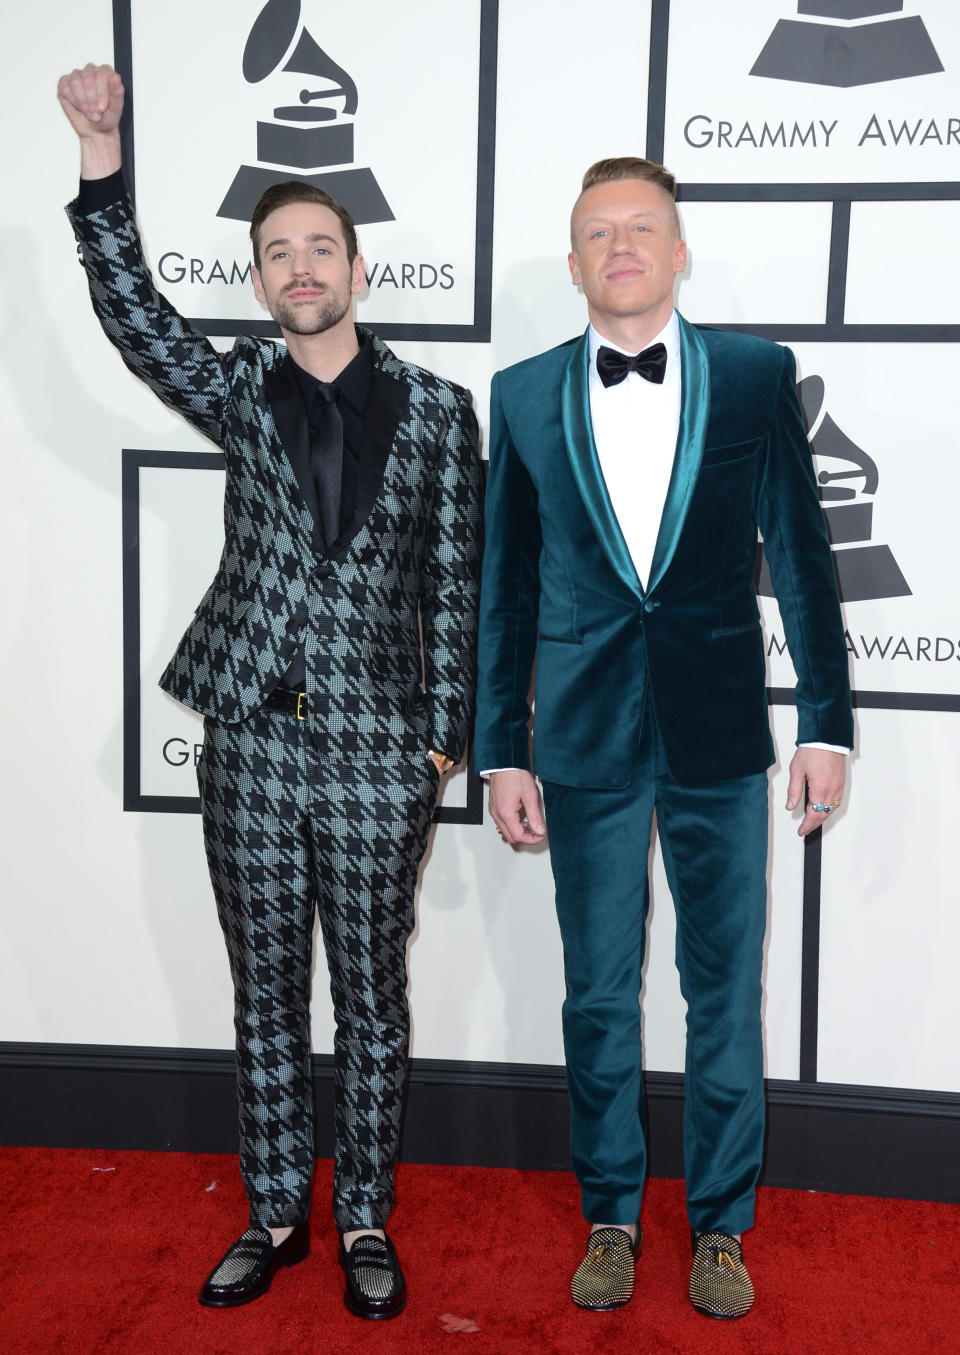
298	286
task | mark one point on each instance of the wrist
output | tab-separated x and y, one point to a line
100	155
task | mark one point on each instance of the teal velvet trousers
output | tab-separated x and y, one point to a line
714	844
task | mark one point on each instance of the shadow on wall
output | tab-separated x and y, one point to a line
84	434
535	308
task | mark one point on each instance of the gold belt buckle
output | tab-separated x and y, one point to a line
301	705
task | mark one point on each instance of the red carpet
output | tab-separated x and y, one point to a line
105	1251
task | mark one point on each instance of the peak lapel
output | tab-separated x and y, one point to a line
585	464
694	414
386	411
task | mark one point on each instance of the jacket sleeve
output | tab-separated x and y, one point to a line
155	342
509	602
801	568
450	582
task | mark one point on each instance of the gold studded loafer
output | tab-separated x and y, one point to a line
604	1278
719	1283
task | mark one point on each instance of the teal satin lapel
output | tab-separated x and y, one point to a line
585	464
694	414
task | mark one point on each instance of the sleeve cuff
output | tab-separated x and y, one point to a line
97	194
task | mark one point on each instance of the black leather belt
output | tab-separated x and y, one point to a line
289	701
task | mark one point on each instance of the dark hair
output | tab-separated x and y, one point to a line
295	190
628	167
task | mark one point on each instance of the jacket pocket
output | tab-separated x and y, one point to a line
392	663
222	604
730	455
734	630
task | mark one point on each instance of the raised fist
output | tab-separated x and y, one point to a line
92	99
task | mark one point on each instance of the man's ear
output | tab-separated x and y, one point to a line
573	262
257	283
358	275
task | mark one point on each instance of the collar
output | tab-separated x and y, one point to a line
669	336
353	383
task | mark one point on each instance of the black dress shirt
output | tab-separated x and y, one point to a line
353	387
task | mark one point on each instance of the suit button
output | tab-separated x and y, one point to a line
650	606
323	572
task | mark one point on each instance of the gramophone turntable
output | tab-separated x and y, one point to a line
865	570
311	139
848	52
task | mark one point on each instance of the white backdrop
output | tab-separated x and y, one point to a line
108	930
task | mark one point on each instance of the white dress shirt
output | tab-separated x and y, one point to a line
635	425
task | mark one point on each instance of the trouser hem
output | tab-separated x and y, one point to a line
352	1223
619	1210
729	1222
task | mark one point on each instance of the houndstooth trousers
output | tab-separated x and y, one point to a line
289	833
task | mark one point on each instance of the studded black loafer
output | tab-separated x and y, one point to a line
247	1268
719	1283
604	1278
375	1284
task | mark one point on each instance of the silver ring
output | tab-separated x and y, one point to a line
821	808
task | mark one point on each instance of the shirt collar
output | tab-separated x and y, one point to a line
669	336
353	383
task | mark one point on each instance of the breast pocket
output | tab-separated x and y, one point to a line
733	454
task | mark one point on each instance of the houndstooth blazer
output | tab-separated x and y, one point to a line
406	566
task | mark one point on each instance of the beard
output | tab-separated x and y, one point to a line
316	317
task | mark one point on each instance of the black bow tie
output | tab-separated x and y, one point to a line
612	367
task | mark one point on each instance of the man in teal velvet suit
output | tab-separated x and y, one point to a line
625	493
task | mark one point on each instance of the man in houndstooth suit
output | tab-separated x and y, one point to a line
352	520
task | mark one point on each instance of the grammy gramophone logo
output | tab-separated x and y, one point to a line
866	570
848	52
311	139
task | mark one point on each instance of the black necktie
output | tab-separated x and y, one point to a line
612	367
326	457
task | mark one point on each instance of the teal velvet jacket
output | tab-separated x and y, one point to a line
559	585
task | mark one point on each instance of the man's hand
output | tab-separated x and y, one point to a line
515	807
92	99
822	773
